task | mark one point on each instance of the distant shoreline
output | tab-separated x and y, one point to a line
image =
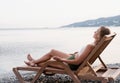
22	28
50	28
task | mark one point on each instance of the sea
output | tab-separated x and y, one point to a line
16	44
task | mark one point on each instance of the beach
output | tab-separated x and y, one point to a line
57	78
16	44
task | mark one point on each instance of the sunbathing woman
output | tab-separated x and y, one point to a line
73	60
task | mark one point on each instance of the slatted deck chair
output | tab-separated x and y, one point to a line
85	70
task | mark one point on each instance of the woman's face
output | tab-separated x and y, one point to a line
97	34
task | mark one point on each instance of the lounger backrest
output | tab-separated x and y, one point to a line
97	50
100	47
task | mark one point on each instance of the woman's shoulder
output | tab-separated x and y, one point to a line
91	46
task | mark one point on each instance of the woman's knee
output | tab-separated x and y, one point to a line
52	52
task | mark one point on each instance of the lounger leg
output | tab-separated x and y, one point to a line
72	74
68	71
104	81
75	78
38	73
18	75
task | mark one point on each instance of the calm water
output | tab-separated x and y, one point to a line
16	44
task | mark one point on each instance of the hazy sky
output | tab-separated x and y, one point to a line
53	13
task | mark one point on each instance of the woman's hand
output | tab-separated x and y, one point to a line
57	58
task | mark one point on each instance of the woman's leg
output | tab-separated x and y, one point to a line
51	54
55	65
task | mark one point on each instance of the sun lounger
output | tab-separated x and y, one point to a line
85	70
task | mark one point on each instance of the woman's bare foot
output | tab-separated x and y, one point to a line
30	63
29	57
27	63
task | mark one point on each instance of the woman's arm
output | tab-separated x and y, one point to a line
79	59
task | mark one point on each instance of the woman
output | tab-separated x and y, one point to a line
73	60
